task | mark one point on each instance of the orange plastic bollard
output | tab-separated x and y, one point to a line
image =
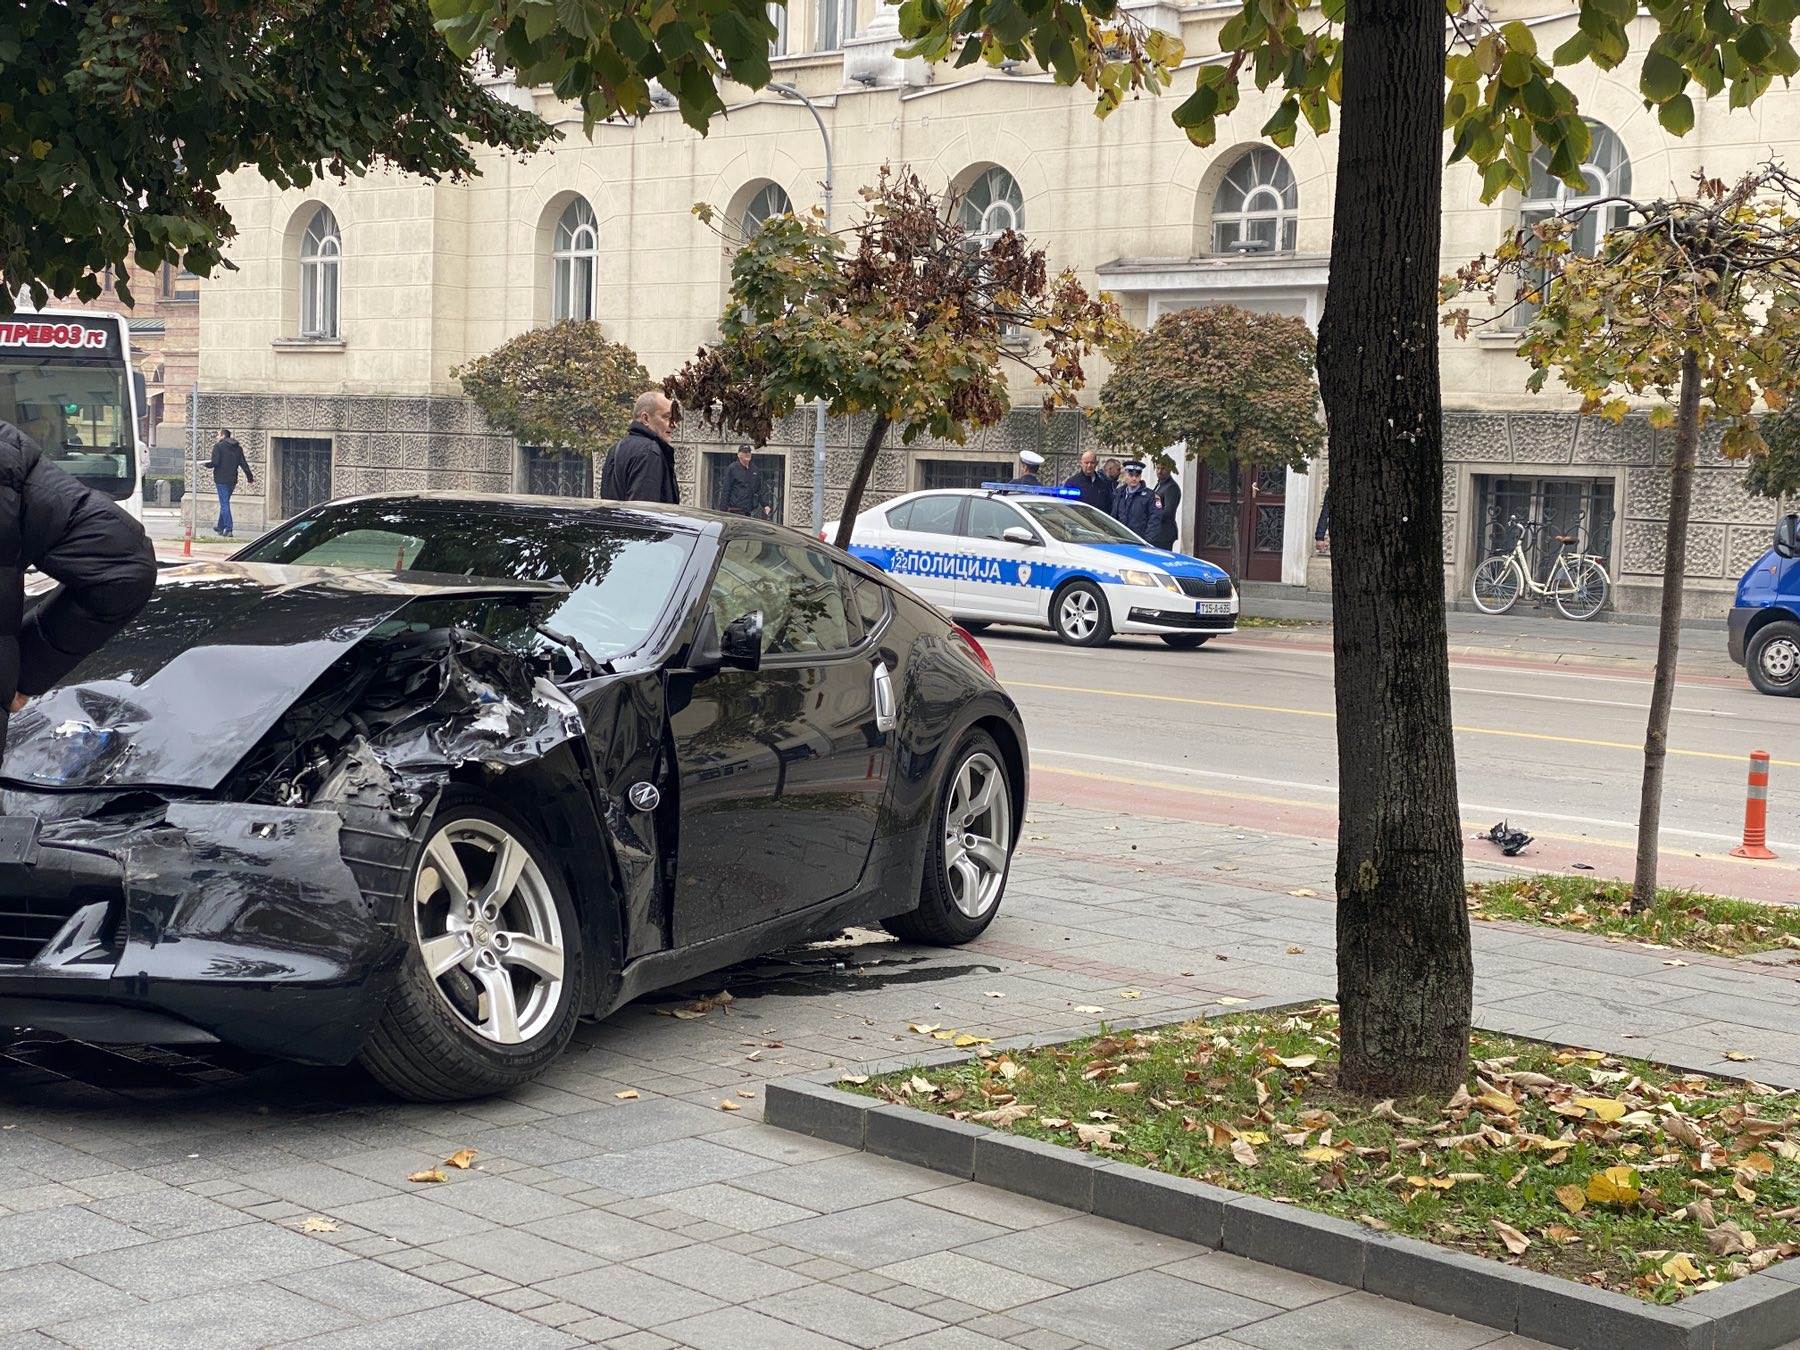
1756	810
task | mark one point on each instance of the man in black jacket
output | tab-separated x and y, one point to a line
1167	493
72	534
741	488
226	463
641	468
1095	487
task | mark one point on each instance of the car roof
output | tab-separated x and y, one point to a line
638	513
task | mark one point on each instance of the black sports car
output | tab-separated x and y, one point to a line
422	779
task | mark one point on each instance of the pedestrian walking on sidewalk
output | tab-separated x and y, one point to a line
71	534
227	462
741	487
1135	506
641	468
1167	493
1095	487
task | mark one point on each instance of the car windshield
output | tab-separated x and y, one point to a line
1076	522
620	577
76	413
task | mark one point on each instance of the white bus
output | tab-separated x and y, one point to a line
66	381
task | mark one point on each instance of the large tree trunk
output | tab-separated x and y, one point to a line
1668	632
860	480
1405	973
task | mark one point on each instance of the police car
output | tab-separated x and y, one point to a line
1040	556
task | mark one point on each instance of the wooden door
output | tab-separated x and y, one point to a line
1260	518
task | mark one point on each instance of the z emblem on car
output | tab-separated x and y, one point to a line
643	796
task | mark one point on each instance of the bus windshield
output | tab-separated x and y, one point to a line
78	414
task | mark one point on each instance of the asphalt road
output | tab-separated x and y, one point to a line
1244	732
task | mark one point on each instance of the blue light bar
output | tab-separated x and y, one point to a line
1033	490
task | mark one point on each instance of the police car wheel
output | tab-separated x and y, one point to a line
970	852
1773	660
1187	642
1080	614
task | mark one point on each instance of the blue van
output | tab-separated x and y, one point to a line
1765	621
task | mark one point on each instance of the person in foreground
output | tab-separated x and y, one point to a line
72	534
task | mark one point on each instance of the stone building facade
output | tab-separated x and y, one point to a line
328	349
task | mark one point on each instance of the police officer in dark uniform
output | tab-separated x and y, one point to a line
1135	505
1030	461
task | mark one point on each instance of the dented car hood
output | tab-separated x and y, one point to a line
216	657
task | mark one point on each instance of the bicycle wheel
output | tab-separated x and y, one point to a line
1496	586
1583	589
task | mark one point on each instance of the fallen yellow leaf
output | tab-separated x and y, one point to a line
963	1040
1604	1108
923	1028
1759	1163
1571	1198
1738	1057
1227	1001
1296	1061
1614	1186
1681	1268
460	1159
628	1095
1004	1115
1131	993
854	1079
430	1174
1241	1150
729	1106
1499	1103
316	1223
1430	1183
1317	1154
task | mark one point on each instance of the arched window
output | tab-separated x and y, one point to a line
992	205
1257	206
1605	172
770	200
321	254
574	256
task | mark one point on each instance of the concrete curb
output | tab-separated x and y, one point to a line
1758	1312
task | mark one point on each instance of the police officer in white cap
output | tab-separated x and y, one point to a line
1030	461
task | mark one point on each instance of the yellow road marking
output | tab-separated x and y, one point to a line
1332	716
1331	807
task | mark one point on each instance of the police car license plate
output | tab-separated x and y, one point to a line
1212	606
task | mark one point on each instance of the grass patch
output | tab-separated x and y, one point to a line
1614	1172
1689	920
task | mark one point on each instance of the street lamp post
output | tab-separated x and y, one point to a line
788	91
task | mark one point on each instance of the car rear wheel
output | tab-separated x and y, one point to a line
970	852
1187	642
492	980
975	625
1773	659
1080	615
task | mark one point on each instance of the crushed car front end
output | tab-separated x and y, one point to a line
208	827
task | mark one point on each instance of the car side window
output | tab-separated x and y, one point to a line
796	588
900	517
934	515
989	519
868	604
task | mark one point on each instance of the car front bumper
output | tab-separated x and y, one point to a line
223	922
1737	625
1140	609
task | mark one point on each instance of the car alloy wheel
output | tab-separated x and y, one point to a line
977	834
488	931
1079	614
1780	660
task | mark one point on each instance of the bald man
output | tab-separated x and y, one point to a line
641	468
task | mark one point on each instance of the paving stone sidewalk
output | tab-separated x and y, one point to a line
151	1198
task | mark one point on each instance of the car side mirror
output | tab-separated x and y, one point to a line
1787	536
1018	534
739	647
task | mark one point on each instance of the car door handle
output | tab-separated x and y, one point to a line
886	710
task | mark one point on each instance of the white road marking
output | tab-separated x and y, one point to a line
1629	827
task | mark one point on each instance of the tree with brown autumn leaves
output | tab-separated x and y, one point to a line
907	319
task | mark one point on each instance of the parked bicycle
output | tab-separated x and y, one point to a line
1576	583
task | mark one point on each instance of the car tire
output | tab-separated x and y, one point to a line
444	1037
975	625
1187	642
1773	658
961	891
1079	614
